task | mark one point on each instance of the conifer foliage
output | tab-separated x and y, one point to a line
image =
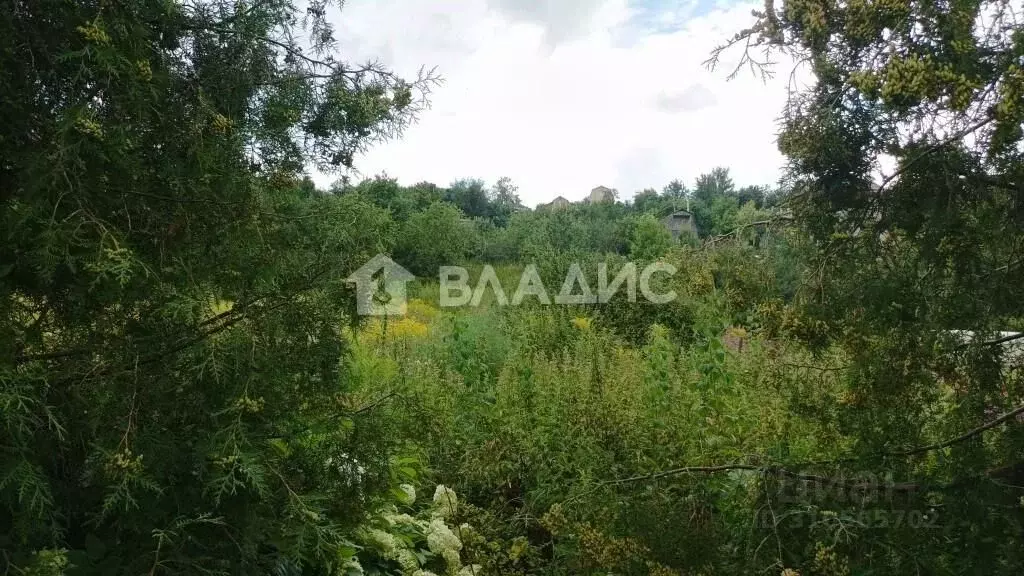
170	294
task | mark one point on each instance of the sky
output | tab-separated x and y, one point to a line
565	95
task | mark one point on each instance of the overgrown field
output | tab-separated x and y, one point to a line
723	446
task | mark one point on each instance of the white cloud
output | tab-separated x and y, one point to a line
560	19
556	98
690	98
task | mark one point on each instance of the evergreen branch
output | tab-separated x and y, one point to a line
227	319
336	68
242	314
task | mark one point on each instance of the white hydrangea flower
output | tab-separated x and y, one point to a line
351	565
423	573
399	519
446	503
452	559
471	570
441	538
382	540
407	560
410	492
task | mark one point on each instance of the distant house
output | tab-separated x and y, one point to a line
559	202
556	204
680	222
601	194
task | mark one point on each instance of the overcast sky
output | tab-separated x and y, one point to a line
565	95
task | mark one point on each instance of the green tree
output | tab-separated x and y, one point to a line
647	201
504	200
438	236
386	193
649	238
424	194
676	190
755	194
714	203
910	254
171	292
470	196
712	185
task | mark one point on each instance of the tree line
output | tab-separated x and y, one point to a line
469	221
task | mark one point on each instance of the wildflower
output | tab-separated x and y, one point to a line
445	501
406	328
790	572
737	331
581	322
409	328
420	311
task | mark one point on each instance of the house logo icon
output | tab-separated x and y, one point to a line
380	287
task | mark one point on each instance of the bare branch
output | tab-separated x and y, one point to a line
961	438
816	478
769	222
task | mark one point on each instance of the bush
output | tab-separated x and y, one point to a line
438	236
